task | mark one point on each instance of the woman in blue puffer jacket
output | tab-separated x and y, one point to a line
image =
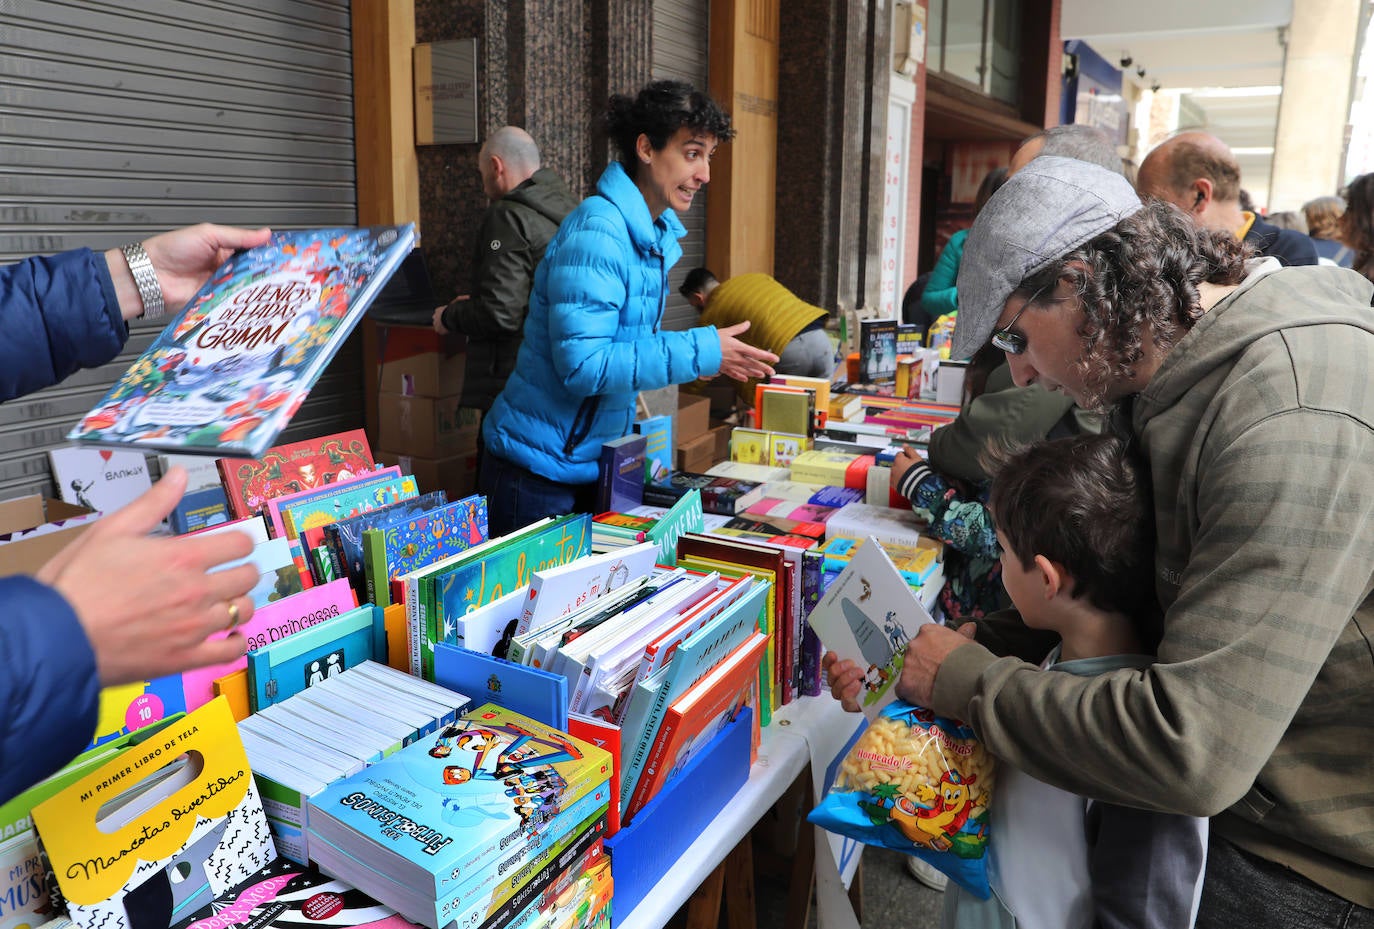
592	336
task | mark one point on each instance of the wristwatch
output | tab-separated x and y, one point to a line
149	291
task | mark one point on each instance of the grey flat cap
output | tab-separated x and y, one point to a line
1043	212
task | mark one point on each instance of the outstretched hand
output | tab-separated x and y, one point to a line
183	259
740	360
149	604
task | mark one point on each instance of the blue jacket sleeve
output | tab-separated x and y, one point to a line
587	288
58	314
49	687
941	295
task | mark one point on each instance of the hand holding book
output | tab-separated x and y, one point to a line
183	260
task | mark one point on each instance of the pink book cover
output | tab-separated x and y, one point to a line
269	624
273	507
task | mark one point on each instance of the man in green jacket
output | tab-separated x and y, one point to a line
528	202
1247	388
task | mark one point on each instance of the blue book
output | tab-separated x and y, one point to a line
531	692
620	474
311	655
207	506
345	536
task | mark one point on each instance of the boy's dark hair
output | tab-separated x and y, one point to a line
696	280
1081	502
658	111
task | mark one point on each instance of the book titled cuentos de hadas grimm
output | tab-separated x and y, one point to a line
230	370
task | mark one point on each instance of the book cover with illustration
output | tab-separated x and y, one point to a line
343	538
620	471
99	479
160	829
287	469
199	509
232	367
421	539
556	592
437	812
878	351
315	654
868	615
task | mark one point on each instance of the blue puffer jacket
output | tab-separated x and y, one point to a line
58	314
592	337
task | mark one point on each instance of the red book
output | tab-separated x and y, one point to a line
697	716
603	735
287	469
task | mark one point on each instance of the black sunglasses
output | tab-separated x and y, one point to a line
1013	343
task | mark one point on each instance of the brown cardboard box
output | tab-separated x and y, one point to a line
426	427
693	417
721	431
428	374
696	454
456	475
25	555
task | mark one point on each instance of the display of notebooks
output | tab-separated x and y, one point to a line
160	829
287	895
867	616
878	351
315	654
620	474
99	479
291	468
232	367
530	692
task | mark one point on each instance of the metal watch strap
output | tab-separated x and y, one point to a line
149	291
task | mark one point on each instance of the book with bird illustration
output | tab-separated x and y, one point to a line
232	367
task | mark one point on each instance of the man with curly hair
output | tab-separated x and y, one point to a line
1246	387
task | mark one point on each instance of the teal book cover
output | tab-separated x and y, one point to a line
344	537
322	651
232	367
426	537
479	581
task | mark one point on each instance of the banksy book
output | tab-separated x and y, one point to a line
232	367
867	616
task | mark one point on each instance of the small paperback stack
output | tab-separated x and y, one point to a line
468	825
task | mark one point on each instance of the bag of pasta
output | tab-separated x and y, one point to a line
918	783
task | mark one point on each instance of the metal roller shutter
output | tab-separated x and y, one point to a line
680	52
121	120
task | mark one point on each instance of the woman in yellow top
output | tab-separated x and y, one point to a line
779	321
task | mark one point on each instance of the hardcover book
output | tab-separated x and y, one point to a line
726	496
291	468
201	472
419	539
785	409
531	692
867	616
620	474
278	509
658	448
199	509
232	367
99	479
343	538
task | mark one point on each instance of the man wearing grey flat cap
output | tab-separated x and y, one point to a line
1247	389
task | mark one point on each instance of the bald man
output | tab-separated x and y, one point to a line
528	202
1197	172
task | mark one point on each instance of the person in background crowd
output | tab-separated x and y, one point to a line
1324	227
1245	387
940	295
592	337
1288	219
779	321
1357	225
116	605
527	204
1196	172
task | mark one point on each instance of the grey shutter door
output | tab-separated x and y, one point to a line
119	121
680	52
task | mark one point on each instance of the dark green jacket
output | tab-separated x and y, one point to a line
515	231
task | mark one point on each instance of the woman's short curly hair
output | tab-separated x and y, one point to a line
1145	271
660	110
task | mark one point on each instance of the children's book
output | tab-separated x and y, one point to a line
160	829
199	509
604	735
683	516
867	616
99	479
278	575
287	895
658	447
490	629
620	473
420	539
288	469
528	691
344	537
312	655
556	592
232	367
201	472
268	625
127	708
279	509
694	718
465	794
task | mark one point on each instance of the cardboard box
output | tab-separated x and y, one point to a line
696	454
693	417
426	427
25	554
428	374
456	475
721	433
